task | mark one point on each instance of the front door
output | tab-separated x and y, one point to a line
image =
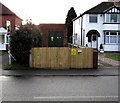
94	41
55	39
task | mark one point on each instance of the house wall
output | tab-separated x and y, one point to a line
45	28
111	26
111	47
93	26
10	18
77	30
100	27
13	19
18	21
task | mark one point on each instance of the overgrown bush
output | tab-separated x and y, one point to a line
21	42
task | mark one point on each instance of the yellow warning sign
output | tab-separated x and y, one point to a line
52	38
73	51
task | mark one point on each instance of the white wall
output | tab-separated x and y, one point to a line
111	27
114	47
93	26
2	46
100	27
77	29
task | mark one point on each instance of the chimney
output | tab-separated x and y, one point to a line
116	2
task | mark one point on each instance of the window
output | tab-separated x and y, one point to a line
75	36
2	39
93	18
112	37
112	18
118	37
7	39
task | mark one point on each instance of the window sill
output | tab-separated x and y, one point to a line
111	44
111	23
93	23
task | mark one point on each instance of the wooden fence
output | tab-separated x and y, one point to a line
61	57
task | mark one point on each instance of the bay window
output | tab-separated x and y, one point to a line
112	37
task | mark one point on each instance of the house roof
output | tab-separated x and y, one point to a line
99	9
6	11
53	26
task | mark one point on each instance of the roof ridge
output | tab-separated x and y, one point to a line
5	7
98	9
7	11
105	5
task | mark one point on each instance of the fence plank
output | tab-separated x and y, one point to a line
62	57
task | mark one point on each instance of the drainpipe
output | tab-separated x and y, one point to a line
73	32
81	30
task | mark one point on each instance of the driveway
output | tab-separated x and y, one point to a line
106	62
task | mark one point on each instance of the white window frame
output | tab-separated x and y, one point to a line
110	36
108	18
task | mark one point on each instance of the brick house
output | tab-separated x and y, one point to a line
54	35
9	21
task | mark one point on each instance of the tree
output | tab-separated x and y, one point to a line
21	42
70	16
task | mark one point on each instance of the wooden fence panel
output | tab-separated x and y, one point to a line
62	57
82	59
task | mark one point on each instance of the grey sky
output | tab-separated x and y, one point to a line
48	11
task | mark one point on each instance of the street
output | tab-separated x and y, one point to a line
60	88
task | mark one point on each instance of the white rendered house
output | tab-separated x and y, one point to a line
4	39
98	25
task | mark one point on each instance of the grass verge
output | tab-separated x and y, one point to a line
16	67
0	52
113	57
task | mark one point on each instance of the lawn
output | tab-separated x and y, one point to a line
14	67
17	67
0	52
113	57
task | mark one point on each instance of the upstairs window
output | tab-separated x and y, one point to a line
112	18
93	18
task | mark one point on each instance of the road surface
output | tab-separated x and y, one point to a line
60	88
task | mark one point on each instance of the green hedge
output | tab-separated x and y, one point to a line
22	41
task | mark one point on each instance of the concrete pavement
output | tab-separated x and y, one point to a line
63	72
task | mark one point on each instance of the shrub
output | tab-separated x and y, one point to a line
22	41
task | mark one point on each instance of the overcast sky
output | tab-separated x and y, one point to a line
48	11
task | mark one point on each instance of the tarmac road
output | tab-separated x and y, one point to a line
60	88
